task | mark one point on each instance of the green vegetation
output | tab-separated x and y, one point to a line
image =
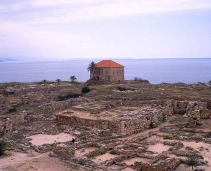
58	81
17	136
3	146
113	152
148	118
92	68
85	90
191	161
73	79
166	137
140	80
65	96
102	152
163	118
151	125
124	89
13	109
74	167
121	88
103	89
44	82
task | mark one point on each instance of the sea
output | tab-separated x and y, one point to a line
156	71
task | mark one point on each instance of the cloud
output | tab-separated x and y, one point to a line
65	10
23	40
133	7
46	26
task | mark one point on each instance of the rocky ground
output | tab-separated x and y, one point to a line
37	140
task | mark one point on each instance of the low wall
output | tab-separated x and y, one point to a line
166	165
205	114
121	126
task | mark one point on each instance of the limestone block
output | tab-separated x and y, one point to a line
205	114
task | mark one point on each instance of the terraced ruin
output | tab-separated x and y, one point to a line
118	127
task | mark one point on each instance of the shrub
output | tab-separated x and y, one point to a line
3	146
165	137
121	88
191	161
151	125
140	80
102	152
148	118
163	118
73	78
13	109
85	90
65	96
113	152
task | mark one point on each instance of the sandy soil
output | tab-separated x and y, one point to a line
103	157
158	148
40	139
128	169
31	162
78	153
35	161
136	159
114	167
204	150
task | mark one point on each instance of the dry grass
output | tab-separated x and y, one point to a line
143	91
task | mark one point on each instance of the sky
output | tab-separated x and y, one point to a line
75	29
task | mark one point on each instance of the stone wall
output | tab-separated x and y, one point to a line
207	140
180	107
209	104
35	88
64	153
205	114
4	105
59	105
121	126
186	107
7	122
169	107
110	74
167	165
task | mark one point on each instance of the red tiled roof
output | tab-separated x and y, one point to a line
108	64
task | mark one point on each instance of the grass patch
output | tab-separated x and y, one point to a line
166	137
113	152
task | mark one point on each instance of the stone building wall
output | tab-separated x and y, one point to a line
117	74
110	74
179	107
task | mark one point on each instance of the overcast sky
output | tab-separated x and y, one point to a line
68	29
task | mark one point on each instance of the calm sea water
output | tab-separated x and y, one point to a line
154	70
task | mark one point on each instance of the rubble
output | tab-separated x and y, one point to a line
110	129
